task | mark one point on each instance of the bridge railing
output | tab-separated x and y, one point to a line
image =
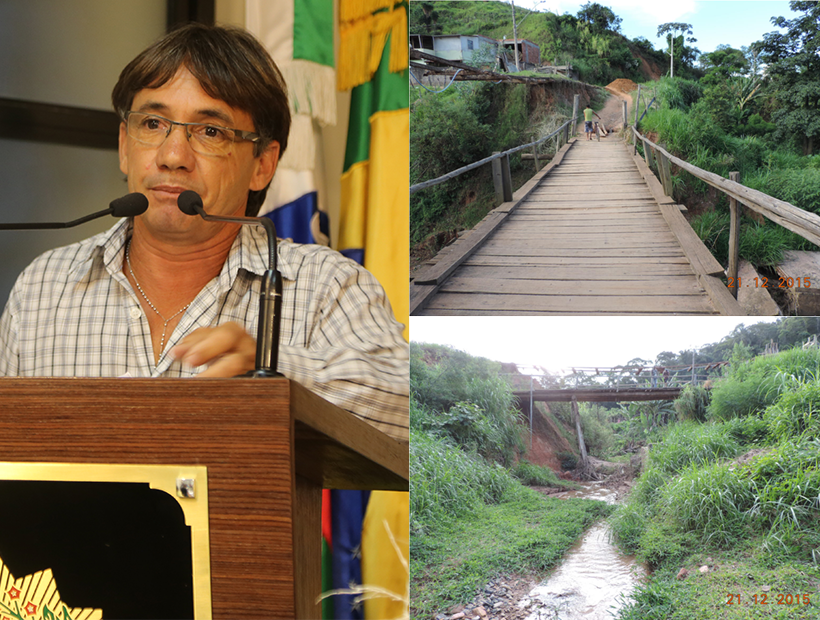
800	221
621	377
501	163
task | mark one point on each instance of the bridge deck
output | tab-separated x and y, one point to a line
591	237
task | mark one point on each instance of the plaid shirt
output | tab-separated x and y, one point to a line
72	312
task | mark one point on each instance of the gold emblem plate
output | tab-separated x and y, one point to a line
36	596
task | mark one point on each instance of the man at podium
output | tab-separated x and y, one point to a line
165	294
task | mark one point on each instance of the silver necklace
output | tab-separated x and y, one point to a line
148	301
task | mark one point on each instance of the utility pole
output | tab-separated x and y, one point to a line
672	54
515	36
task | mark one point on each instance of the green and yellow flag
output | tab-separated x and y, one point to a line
375	217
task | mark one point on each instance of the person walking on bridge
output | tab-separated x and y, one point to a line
588	114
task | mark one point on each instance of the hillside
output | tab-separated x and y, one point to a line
595	47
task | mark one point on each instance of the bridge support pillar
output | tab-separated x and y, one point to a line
502	179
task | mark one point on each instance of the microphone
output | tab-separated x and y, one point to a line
270	300
126	206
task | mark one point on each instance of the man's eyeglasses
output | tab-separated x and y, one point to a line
151	130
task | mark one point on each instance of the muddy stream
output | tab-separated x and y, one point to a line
593	577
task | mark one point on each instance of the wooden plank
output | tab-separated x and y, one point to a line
702	260
611	235
585	241
722	299
662	286
672	257
603	254
420	294
467	312
614	272
470	242
671	304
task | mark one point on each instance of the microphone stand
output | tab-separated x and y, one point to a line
127	206
270	299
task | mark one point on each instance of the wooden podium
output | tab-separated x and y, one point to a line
269	446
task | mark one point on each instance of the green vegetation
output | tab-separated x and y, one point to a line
468	122
735	118
731	480
726	114
739	493
465	485
590	41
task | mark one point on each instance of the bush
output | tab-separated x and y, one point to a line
711	502
660	542
568	460
628	525
689	444
692	403
598	434
798	186
462	397
713	229
787	497
446	483
535	475
754	385
796	413
677	93
748	431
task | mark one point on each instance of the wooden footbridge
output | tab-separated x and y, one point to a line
591	233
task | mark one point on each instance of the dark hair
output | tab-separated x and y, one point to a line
231	65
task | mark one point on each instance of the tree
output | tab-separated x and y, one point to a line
724	62
669	29
599	17
793	60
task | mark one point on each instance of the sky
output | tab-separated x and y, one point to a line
561	343
714	22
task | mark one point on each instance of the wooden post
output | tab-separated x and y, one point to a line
582	449
649	154
626	118
576	101
637	105
734	240
665	171
502	179
535	157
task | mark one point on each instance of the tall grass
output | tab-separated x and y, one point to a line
710	501
786	484
796	414
446	482
752	386
689	444
535	475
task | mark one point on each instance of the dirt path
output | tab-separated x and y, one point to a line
612	114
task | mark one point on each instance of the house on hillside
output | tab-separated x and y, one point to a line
529	54
457	47
491	54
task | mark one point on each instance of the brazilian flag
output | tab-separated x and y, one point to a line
375	218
